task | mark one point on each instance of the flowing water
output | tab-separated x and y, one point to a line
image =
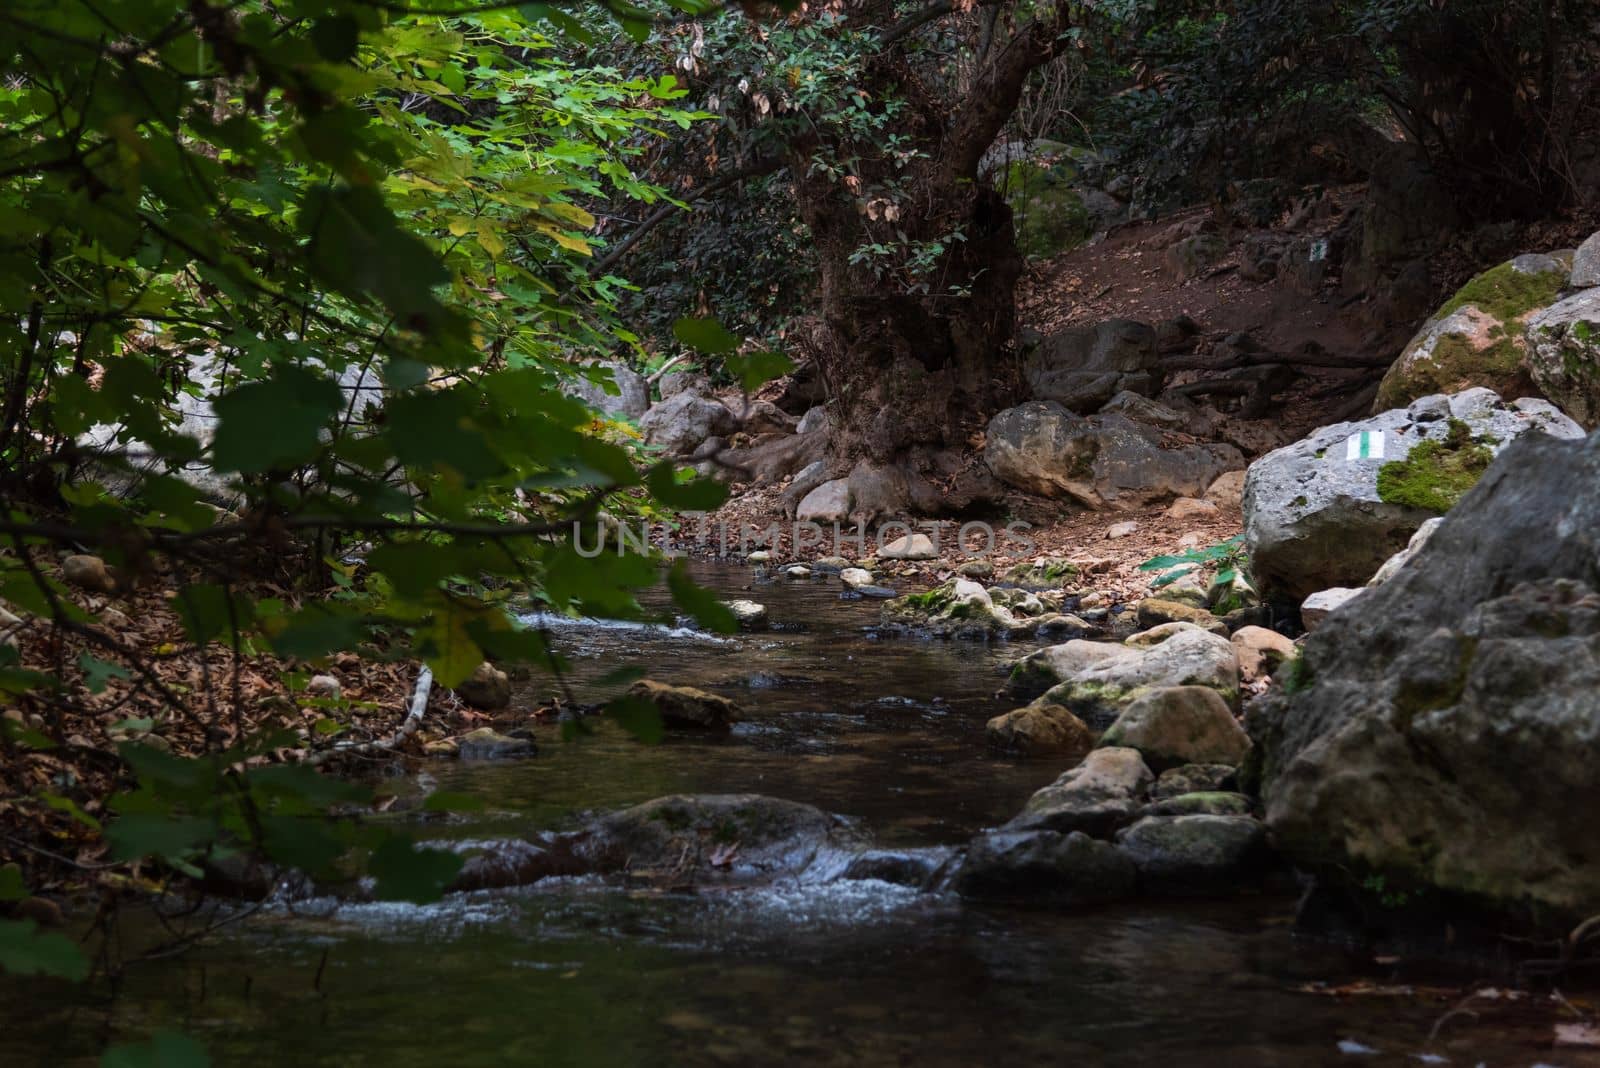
886	731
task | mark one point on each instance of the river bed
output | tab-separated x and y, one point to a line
885	731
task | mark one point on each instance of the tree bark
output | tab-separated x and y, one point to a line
917	364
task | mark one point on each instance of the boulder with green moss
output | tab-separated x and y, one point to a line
962	608
1564	355
1331	508
1478	337
1097	681
1443	737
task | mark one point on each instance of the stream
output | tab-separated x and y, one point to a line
886	731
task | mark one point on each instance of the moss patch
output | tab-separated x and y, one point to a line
1506	293
1049	213
1436	473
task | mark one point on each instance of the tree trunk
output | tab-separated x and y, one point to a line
919	349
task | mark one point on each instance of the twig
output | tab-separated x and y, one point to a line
413	720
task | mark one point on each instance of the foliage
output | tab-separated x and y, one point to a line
1491	92
293	288
1229	557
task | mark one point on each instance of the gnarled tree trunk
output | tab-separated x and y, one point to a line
918	360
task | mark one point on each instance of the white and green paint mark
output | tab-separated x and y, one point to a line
1367	445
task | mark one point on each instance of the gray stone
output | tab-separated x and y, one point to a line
681	422
1444	736
1102	461
827	503
323	686
1084	367
855	577
916	868
1317	607
1142	409
1194	779
815	420
1180	725
1194	855
1314	519
630	399
1586	264
1564	355
909	547
1097	681
721	838
1392	565
751	615
1101	794
1045	867
1200	803
675	382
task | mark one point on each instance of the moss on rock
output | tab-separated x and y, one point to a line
1435	474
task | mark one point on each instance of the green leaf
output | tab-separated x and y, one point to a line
637	716
25	950
1172	576
273	424
97	672
706	336
444	801
71	808
407	873
12	888
167	1049
758	368
1161	563
699	602
695	495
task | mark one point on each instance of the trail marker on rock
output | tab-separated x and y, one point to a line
1367	445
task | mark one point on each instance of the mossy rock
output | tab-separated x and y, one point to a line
1435	474
1477	337
1049	213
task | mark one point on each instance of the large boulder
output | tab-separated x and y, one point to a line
1564	355
1045	867
1194	854
1180	725
1318	514
729	837
1102	461
1443	737
612	389
1097	681
1103	793
682	421
1083	367
1477	338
